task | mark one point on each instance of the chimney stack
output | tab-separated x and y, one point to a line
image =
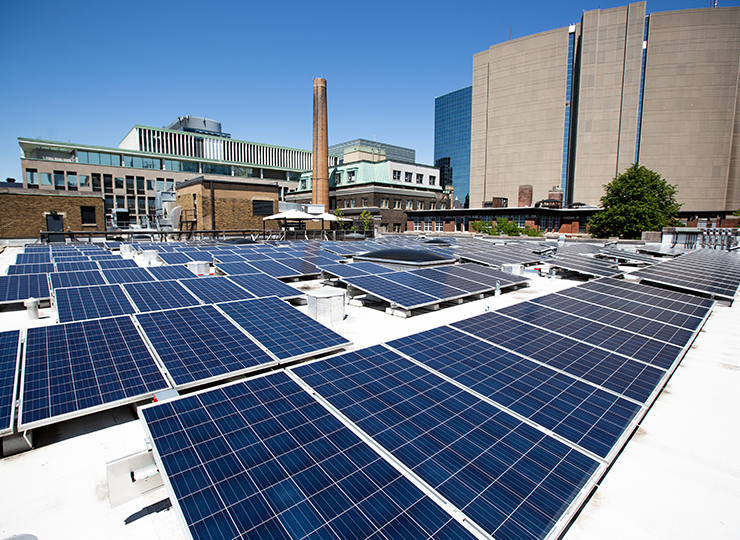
320	181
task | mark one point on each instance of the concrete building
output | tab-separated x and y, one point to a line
368	181
452	141
155	159
392	152
576	106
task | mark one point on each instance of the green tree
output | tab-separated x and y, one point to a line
366	218
635	201
341	220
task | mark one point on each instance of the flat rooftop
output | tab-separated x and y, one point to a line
678	476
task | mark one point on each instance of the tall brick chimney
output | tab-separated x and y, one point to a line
320	181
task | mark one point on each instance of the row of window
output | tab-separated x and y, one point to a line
135	205
409	177
71	181
398	204
429	224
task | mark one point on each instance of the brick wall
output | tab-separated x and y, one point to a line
23	214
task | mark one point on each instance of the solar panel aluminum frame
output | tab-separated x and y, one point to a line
7	430
393	304
89	410
216	378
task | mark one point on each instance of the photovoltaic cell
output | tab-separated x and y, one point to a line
275	464
589	417
23	286
261	285
165	273
215	289
511	479
91	302
283	330
76	279
159	295
199	344
78	368
9	357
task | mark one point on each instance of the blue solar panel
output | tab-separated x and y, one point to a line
301	267
109	264
91	302
158	295
254	256
78	368
42	268
9	358
261	285
79	266
164	273
33	258
371	268
228	257
76	279
389	291
237	268
439	290
175	258
615	372
23	286
276	465
199	344
127	275
71	258
215	289
283	330
511	479
582	413
449	277
344	270
274	269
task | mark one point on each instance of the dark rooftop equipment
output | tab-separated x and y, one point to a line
404	257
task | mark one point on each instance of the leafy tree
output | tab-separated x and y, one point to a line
635	201
341	221
366	218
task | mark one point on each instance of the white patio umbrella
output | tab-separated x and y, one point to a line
292	215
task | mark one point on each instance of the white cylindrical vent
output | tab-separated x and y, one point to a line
326	305
32	304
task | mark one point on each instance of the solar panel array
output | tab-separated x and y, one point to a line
19	287
261	285
91	302
584	264
9	363
627	256
708	272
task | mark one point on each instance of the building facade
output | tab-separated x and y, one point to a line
367	181
157	159
452	113
392	152
576	106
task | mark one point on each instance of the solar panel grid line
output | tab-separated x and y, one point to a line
127	275
75	279
333	485
250	336
388	457
451	439
10	363
159	295
19	287
41	268
502	407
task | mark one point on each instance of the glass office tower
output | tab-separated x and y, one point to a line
452	114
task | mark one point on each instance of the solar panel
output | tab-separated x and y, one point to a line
254	256
215	289
91	302
9	364
79	368
585	265
109	264
395	293
261	285
20	287
344	270
511	479
80	266
159	295
274	269
33	258
491	275
486	253
582	413
41	268
438	290
70	258
76	279
276	464
283	330
175	258
237	268
228	257
127	275
628	256
301	267
164	273
199	345
615	372
662	298
449	276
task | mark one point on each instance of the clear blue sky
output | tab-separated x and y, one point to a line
86	72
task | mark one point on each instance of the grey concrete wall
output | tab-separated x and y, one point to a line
691	107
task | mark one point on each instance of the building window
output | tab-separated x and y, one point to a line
32	178
420	205
346	203
96	181
417	224
210	168
419	178
409	176
94	158
120	201
169	184
71	181
432	205
397	175
397	204
432	180
46	179
108	183
58	179
439	225
428	224
160	184
396	227
129	185
150	185
151	208
119	183
337	177
303	183
141	205
351	177
409	205
261	208
84	181
108	202
137	162
443	206
384	203
139	185
131	204
364	202
352	203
